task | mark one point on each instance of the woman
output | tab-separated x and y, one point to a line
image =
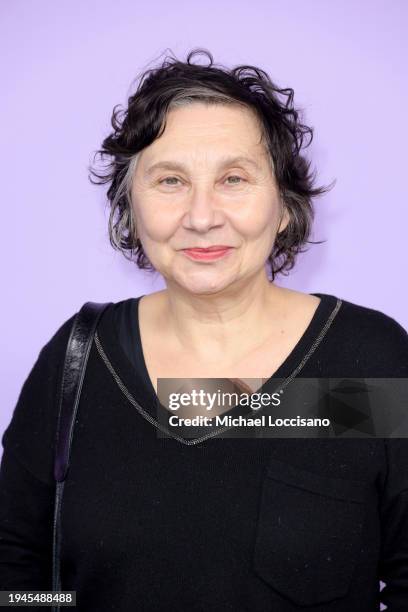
209	188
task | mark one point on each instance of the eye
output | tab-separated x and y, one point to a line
169	178
234	176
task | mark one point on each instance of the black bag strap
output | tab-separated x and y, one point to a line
76	358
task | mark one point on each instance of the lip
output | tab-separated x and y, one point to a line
214	252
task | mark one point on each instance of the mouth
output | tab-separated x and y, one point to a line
207	254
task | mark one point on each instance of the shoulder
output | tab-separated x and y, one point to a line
52	354
58	338
372	323
49	354
374	336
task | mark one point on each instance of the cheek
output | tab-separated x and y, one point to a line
256	220
155	222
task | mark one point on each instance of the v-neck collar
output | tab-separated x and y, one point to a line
139	385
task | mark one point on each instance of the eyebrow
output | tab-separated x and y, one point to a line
225	161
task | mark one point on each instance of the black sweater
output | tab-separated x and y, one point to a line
256	525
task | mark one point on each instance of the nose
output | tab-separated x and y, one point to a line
202	212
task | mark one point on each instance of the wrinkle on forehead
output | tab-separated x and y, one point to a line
201	135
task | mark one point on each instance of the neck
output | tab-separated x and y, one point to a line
230	322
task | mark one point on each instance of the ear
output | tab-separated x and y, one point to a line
285	218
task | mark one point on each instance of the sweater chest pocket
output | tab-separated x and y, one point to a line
308	535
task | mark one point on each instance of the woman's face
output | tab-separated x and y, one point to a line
191	190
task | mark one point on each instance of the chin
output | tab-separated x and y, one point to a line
200	286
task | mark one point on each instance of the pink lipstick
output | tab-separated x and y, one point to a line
208	254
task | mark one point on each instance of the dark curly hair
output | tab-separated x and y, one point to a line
176	83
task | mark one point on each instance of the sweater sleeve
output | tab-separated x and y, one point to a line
393	507
27	486
393	567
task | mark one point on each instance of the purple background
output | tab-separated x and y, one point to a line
66	64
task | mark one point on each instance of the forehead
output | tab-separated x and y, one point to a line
199	129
